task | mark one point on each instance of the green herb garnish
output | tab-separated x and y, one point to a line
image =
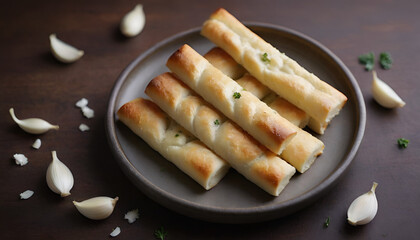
327	222
160	233
265	58
216	122
368	60
236	95
385	60
177	135
402	142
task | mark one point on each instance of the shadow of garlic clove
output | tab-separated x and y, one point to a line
64	52
133	22
384	94
364	208
96	208
59	177
32	125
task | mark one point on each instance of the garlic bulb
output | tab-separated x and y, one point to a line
96	208
59	177
133	22
363	209
64	52
32	125
384	94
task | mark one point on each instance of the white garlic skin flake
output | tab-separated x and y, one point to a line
26	194
64	52
116	232
364	208
33	125
96	208
59	177
133	22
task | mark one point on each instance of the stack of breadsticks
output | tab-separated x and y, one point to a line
242	105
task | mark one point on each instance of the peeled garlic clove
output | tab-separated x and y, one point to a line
133	22
384	94
63	51
115	232
96	208
59	177
363	209
32	125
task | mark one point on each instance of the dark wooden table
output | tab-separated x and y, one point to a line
36	85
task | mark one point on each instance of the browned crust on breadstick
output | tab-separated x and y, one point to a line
254	116
155	127
224	137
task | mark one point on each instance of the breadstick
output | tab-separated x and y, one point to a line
273	68
303	148
178	146
225	63
225	138
254	116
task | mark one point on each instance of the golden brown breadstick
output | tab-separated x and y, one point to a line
225	138
253	115
175	143
274	69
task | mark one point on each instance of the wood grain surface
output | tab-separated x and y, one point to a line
36	85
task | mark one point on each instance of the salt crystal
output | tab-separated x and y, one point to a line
26	194
88	112
83	127
82	103
20	159
132	215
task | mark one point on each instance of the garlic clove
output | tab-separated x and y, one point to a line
96	208
384	94
364	208
133	22
37	143
59	177
32	125
115	232
64	52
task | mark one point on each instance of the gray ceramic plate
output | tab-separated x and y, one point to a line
234	199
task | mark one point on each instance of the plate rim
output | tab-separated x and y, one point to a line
238	215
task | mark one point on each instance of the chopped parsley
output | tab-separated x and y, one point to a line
216	122
265	58
177	135
368	60
402	142
385	60
327	222
160	233
236	95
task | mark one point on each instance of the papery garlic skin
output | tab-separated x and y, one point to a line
32	125
96	208
384	94
133	22
64	52
59	177
364	208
